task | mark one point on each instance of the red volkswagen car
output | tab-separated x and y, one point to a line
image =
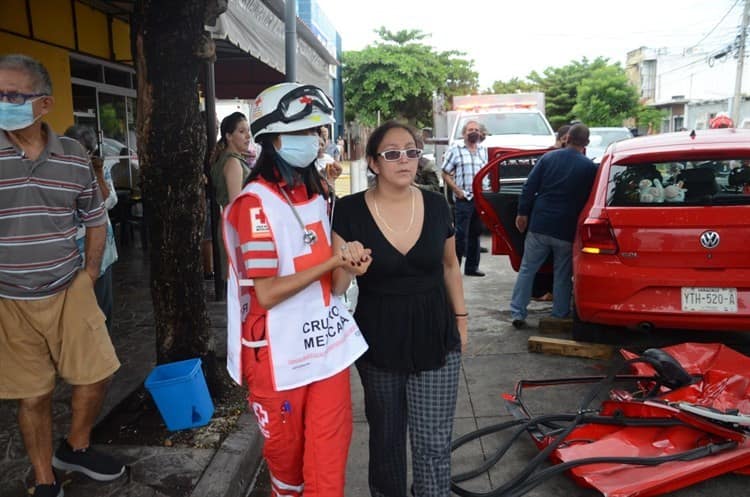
664	239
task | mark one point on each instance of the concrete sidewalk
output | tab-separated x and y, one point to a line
225	471
495	359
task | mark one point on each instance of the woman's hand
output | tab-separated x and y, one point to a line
462	322
357	258
333	171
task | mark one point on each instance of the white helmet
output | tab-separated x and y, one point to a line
287	107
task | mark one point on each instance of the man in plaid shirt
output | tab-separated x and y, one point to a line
462	162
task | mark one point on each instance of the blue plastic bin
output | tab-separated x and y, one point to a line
180	392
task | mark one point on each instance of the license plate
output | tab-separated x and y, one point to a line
709	299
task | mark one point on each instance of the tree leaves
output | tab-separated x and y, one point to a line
595	92
605	97
398	75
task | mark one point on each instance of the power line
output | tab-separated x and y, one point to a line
624	35
697	61
717	24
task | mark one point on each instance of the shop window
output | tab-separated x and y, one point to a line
665	125
84	105
86	70
117	78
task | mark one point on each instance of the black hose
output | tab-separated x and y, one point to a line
688	455
541	476
526	424
526	479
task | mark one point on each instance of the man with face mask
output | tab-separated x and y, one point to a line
462	162
50	322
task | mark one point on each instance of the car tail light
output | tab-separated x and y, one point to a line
597	237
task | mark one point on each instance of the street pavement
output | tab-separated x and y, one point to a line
494	360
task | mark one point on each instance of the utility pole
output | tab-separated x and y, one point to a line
737	100
290	40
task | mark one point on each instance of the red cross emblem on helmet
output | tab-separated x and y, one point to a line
305	100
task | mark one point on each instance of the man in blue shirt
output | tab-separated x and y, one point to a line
552	198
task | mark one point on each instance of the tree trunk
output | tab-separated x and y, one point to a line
169	48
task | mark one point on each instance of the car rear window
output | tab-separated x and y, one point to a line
664	184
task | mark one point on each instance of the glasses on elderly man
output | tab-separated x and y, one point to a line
14	97
394	155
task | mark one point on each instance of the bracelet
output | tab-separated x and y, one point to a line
462	315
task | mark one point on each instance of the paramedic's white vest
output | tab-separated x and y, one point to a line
311	335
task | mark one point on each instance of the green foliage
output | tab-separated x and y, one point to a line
513	85
560	87
648	116
398	75
605	97
401	37
461	78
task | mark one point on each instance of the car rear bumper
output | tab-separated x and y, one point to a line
618	295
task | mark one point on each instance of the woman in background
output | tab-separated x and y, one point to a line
229	169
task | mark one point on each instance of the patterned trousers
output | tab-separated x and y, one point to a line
426	403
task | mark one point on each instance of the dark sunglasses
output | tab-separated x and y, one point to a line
308	95
16	98
394	155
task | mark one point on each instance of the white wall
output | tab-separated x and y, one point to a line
691	77
699	113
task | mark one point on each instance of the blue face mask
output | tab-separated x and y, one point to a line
298	150
16	116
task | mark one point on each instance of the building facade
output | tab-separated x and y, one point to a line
87	53
691	86
316	19
85	45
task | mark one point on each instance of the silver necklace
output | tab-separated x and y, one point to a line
308	236
385	223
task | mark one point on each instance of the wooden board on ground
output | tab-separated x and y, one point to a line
560	346
555	325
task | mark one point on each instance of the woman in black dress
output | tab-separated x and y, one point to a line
411	311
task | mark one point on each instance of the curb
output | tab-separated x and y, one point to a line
233	467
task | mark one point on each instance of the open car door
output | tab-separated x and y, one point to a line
497	188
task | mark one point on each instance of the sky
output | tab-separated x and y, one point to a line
509	39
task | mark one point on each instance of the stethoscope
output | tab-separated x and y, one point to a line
309	237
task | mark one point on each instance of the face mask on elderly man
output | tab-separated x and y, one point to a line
473	137
16	116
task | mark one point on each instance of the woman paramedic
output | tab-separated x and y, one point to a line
298	339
